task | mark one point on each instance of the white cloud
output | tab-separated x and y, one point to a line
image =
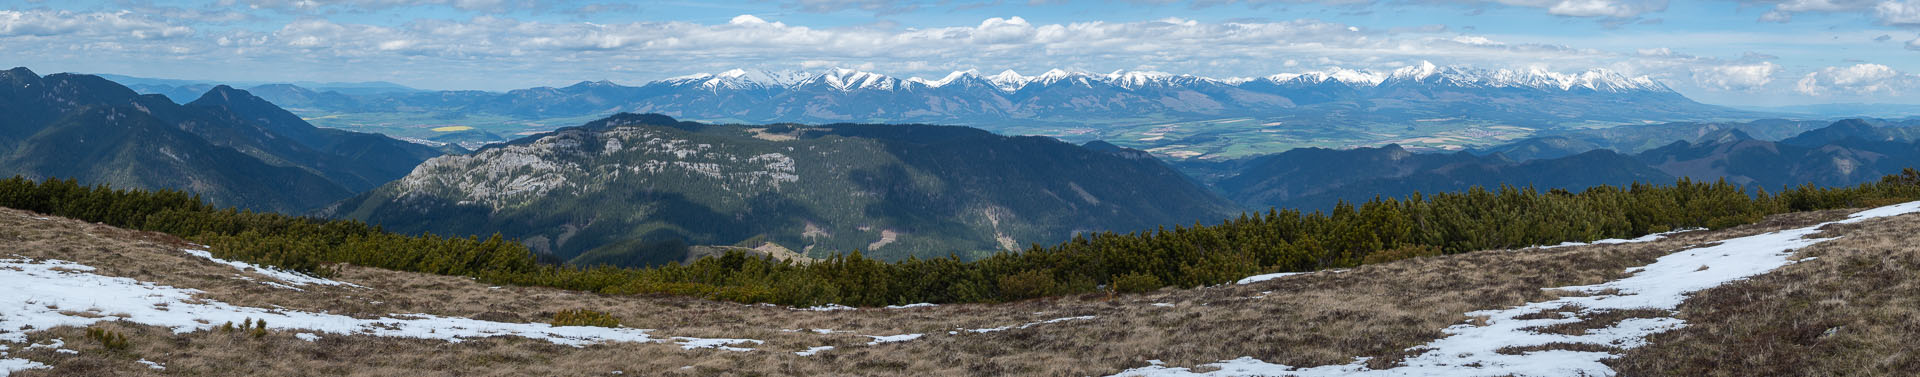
1567	8
1745	77
1599	8
882	7
375	5
1783	10
49	23
1900	13
1858	79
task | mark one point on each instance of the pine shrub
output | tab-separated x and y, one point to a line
1137	282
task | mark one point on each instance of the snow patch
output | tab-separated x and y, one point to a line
1010	327
37	287
8	366
814	351
153	365
290	277
721	344
1663	285
911	306
1266	277
307	337
827	308
1614	241
892	338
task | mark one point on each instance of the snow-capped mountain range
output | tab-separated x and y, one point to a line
1058	97
1010	81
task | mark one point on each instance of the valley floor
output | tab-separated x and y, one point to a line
1596	309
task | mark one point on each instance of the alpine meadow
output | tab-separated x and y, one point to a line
959	187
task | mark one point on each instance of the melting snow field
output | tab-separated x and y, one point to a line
1470	350
45	294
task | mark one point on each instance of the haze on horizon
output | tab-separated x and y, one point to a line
1733	52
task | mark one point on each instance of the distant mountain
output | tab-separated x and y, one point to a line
1281	179
1633	139
640	189
1883	110
1319	178
359	161
1855	129
181	91
1534	97
1854	154
231	147
1544	147
1842	153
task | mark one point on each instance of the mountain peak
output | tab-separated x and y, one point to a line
225	94
1008	80
1137	79
949	79
24	72
1723	136
1417	72
849	79
235	99
1851	124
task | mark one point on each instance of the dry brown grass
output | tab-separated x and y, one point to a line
1315	319
1854	311
1598	319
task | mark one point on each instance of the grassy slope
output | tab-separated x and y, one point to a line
1316	319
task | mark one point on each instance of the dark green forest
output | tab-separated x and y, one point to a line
1376	231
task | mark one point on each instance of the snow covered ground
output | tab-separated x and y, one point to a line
44	294
1471	350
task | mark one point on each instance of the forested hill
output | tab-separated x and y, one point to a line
638	189
230	147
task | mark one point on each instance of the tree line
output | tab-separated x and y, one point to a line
1376	231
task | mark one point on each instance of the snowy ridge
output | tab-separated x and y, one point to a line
1471	350
1010	81
738	79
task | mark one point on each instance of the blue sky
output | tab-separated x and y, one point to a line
1742	52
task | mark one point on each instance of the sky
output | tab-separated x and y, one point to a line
1731	52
